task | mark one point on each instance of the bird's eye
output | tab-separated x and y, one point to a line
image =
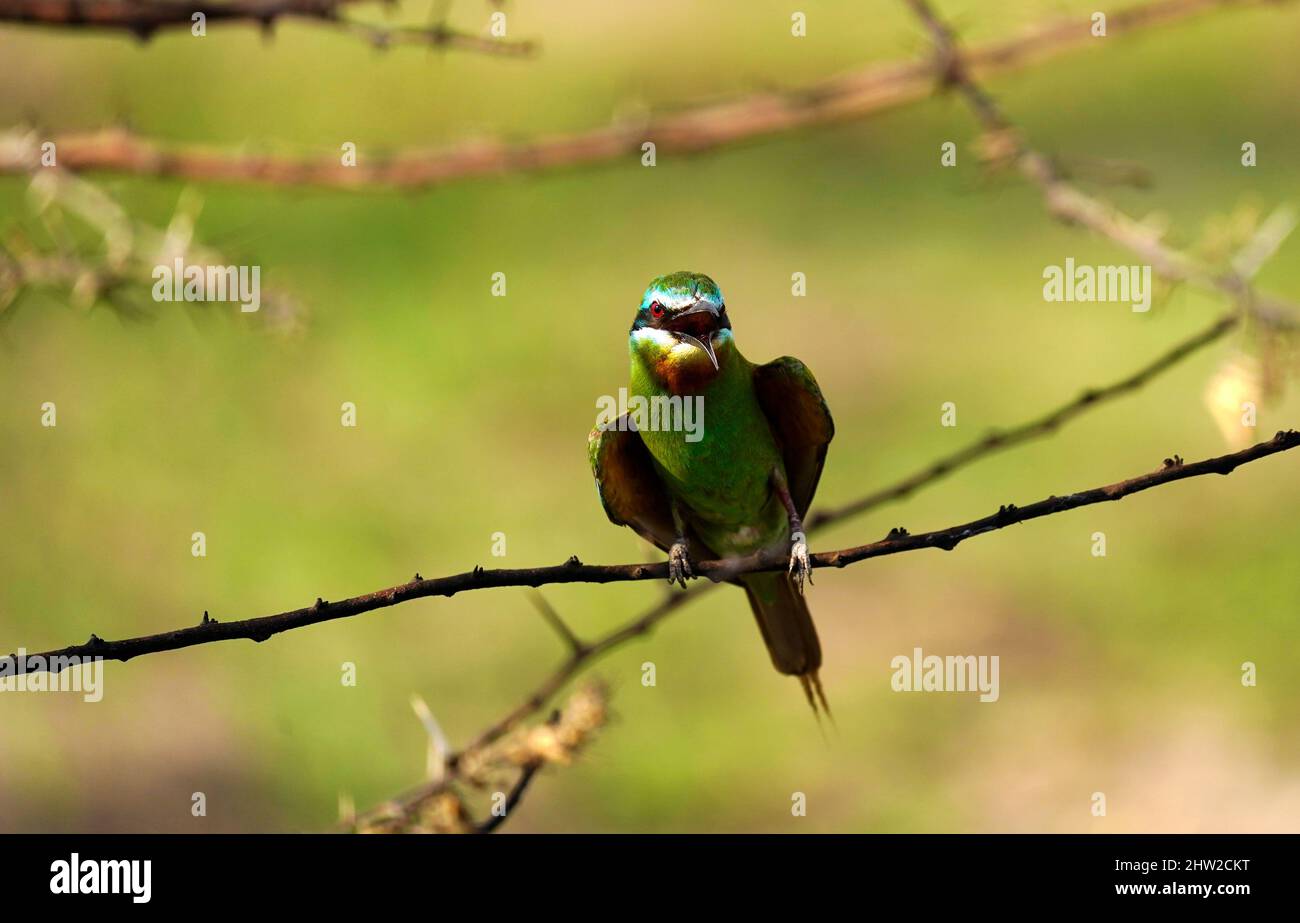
656	310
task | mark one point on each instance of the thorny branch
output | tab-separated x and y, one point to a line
145	18
705	127
574	571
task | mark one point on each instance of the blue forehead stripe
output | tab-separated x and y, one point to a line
677	294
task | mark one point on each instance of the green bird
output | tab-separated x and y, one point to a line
740	482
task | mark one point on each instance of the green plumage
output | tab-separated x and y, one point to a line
722	479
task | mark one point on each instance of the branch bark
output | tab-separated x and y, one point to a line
574	571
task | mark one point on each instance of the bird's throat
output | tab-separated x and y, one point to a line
675	366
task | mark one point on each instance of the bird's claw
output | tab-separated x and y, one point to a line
679	564
800	569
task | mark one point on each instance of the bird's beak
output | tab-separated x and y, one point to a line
696	325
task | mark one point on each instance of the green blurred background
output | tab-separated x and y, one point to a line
1119	674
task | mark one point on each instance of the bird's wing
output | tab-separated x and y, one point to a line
629	487
800	421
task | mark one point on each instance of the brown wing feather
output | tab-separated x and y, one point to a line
800	421
630	488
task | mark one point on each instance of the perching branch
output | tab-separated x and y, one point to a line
146	18
574	571
842	99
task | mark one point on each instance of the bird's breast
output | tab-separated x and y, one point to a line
720	473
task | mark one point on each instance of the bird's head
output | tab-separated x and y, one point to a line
681	327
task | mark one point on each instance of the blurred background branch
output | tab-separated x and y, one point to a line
439	805
870	90
80	243
146	18
1003	143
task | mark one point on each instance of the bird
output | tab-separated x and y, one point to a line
742	482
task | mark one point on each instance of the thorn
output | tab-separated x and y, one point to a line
435	767
573	561
417	578
319	604
478	570
897	532
207	619
95	641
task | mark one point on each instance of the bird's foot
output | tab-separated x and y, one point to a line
679	564
800	568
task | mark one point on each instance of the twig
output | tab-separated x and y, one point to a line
846	98
577	660
145	18
436	806
553	619
574	571
512	799
119	269
999	440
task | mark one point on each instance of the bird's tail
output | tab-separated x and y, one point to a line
787	628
